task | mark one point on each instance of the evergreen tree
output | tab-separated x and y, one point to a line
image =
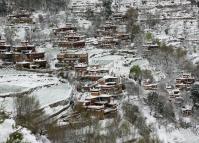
195	93
136	72
107	8
3	8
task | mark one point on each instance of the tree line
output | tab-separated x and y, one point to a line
7	6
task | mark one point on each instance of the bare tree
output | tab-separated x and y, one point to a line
28	112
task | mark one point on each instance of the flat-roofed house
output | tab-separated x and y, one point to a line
21	16
71	58
110	85
184	81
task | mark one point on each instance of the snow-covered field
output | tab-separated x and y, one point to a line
26	79
47	96
48	88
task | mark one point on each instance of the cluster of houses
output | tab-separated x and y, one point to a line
20	17
68	38
96	82
101	86
112	35
69	42
23	55
183	82
90	75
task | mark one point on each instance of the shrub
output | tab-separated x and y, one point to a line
132	15
152	98
130	112
195	93
3	116
15	137
89	14
135	30
55	132
166	49
136	72
107	8
27	112
147	74
180	53
166	31
149	36
133	115
161	106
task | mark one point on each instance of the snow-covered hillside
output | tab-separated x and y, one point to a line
167	23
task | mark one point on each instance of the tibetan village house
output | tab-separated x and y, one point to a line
65	29
99	105
69	59
26	56
174	93
187	110
110	85
20	17
107	29
107	42
184	81
72	40
91	73
150	86
119	17
150	46
5	54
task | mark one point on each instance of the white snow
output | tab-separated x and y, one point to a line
169	133
54	94
13	81
8	127
30	80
